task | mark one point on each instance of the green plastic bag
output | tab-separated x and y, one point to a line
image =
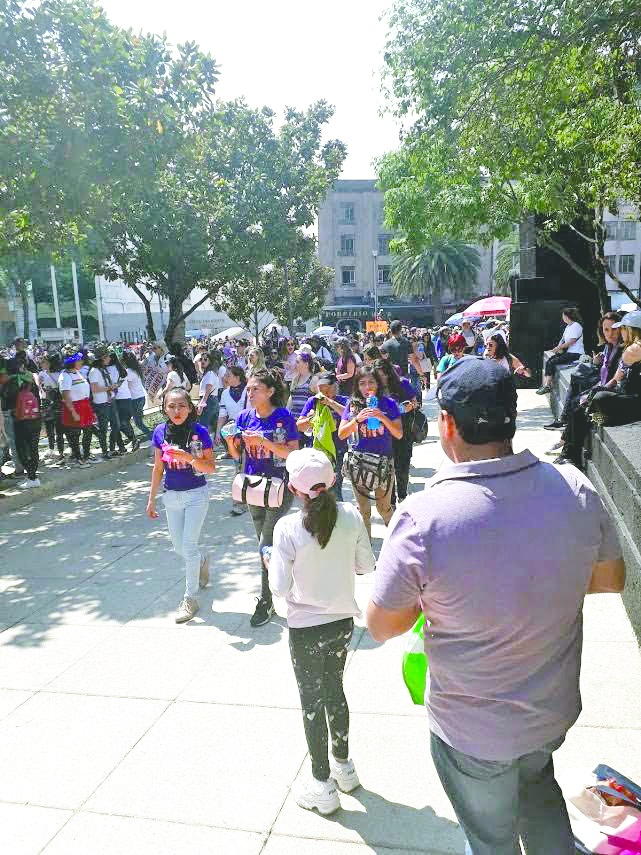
415	663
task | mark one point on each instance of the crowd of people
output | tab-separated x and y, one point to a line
299	418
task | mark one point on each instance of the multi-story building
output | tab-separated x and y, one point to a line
623	249
353	239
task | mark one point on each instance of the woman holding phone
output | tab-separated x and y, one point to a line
265	434
183	456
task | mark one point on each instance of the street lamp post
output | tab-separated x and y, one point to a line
375	256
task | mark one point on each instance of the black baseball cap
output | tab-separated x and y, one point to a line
478	391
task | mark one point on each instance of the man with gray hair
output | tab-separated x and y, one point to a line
503	631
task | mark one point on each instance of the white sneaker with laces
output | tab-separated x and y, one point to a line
321	795
345	775
28	484
186	610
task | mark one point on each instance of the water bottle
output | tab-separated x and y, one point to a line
196	447
372	422
280	433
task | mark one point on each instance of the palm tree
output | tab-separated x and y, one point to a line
507	263
444	264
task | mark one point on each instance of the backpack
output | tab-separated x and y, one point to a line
27	405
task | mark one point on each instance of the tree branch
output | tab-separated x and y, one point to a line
184	315
620	285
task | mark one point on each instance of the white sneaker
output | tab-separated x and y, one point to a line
344	774
28	485
186	610
321	795
203	579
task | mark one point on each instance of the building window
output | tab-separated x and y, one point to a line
626	264
611	261
347	213
348	276
347	245
384	274
621	230
383	244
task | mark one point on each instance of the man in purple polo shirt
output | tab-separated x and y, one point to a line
505	628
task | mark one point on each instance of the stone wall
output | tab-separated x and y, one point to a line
614	468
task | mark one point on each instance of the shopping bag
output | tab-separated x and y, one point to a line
606	815
415	662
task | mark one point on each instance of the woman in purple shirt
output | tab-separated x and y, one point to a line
374	442
184	455
267	433
404	393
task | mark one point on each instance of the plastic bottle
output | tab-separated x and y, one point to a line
372	422
196	447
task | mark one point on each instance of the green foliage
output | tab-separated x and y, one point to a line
507	263
445	269
519	109
116	142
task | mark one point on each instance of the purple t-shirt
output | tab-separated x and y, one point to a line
180	476
378	441
340	444
500	554
279	427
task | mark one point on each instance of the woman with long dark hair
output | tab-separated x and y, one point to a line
404	393
316	555
207	406
496	348
265	435
345	367
183	455
371	458
137	390
122	401
48	377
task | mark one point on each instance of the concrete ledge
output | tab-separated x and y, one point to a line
55	482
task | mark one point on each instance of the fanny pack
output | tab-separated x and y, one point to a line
260	491
368	472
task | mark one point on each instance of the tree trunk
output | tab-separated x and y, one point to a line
151	332
437	306
24	299
599	269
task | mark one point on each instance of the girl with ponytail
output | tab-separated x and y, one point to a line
316	555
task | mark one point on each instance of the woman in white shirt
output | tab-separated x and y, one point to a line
207	406
176	378
78	417
137	390
568	350
48	377
315	556
123	403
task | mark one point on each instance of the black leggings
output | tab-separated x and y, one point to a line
27	439
55	435
563	358
318	656
402	461
73	437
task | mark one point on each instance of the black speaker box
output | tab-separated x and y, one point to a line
534	327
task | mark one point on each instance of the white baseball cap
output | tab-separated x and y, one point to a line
631	319
310	471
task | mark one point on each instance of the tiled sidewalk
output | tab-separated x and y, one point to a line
120	731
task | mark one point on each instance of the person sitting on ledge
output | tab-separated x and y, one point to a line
568	350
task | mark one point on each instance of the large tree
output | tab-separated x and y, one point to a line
515	110
444	267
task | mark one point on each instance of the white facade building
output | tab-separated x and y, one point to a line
623	249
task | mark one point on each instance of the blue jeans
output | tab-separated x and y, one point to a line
107	417
496	802
209	416
138	411
186	512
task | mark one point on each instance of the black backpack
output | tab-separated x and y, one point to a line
189	370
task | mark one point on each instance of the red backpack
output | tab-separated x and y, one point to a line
27	405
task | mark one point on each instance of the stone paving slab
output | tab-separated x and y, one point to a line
205	764
280	845
112	835
400	804
26	829
32	655
59	748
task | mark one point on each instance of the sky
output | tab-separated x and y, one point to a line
282	53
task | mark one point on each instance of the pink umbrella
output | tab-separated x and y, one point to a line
489	306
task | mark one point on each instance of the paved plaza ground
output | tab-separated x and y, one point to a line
122	732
